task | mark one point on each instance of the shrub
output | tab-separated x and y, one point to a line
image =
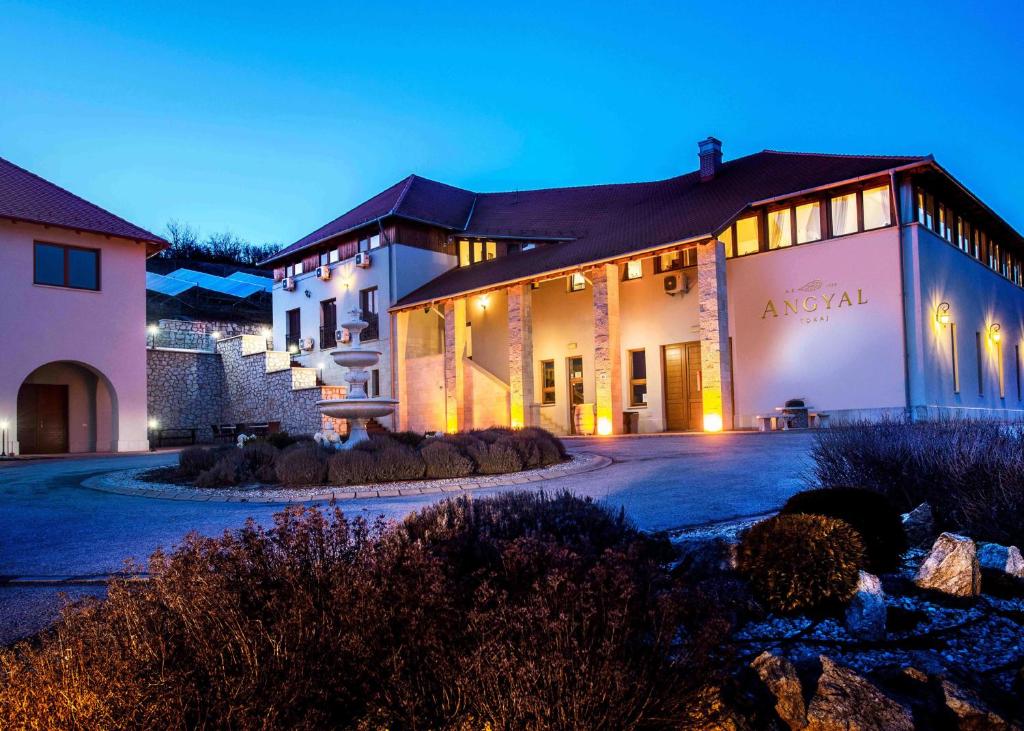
496	458
491	435
376	443
280	440
408	438
543	435
443	460
870	513
193	460
801	562
300	465
229	469
259	457
971	472
526	447
398	462
352	467
287	626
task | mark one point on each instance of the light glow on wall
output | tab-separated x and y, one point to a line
712	422
604	426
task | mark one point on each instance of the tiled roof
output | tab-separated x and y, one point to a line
605	221
414	197
25	196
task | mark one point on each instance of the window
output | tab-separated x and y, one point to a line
464	258
490	250
373	387
328	324
808	222
637	378
547	382
289	270
66	266
746	236
325	259
375	241
955	355
292	320
780	228
877	211
844	214
335	256
577	282
726	238
668	262
478	251
633	270
368	306
298	268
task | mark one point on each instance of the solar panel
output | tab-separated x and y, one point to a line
265	282
166	285
213	283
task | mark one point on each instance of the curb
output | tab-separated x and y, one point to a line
125	482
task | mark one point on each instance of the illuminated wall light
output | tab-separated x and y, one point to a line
993	332
153	330
484	302
712	422
942	316
153	423
265	332
215	335
604	426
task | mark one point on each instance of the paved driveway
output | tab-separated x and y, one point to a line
51	527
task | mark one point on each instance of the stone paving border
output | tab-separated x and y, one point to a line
126	482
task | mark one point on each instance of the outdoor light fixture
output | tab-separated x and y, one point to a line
604	426
215	335
485	300
265	332
712	422
942	314
153	423
293	349
993	332
3	438
153	330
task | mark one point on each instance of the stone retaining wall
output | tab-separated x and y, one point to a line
186	390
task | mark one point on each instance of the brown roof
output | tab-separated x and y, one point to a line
24	196
607	221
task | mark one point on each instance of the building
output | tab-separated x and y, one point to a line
73	375
866	285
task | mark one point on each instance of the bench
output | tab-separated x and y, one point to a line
774	422
172	437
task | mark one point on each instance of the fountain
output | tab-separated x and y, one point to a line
356	407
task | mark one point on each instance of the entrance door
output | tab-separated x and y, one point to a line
43	418
684	409
575	380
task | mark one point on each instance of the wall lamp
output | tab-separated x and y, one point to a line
484	300
942	316
993	332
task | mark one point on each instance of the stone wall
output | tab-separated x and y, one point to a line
186	390
197	334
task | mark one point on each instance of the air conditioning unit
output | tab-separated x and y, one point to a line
323	272
363	260
289	284
342	336
676	284
306	344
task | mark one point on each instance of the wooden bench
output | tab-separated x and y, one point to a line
173	437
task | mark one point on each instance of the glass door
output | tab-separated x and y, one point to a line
575	380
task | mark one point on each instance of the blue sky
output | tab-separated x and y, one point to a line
268	119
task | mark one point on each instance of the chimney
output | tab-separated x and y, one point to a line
710	157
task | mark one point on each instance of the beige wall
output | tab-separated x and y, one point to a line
104	331
425	393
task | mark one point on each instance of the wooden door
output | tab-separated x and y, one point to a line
684	409
574	365
43	419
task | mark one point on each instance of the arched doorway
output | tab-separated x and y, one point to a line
66	406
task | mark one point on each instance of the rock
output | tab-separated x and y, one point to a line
970	712
845	700
919	525
1001	559
865	616
779	675
951	567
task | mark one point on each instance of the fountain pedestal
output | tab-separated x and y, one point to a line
356	408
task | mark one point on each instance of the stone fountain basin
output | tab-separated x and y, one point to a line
357	408
356	358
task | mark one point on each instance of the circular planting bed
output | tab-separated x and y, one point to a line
130	482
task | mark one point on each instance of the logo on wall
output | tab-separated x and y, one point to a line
814	302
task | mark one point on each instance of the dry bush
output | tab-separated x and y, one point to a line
351	467
194	460
322	622
229	469
301	464
495	458
398	462
444	460
801	562
543	435
971	472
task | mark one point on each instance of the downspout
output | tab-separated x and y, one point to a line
894	194
392	319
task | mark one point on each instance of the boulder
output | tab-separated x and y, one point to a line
779	676
970	712
866	613
951	567
919	525
845	700
1001	559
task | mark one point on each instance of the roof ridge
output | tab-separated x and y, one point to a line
401	196
155	239
846	154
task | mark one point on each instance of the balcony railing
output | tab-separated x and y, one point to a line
328	338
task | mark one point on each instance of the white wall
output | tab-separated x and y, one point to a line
978	297
846	354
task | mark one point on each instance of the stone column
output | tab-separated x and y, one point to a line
713	320
607	351
457	417
400	382
520	354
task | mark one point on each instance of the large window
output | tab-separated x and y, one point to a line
780	228
808	222
746	236
292	330
877	208
547	382
637	378
66	266
368	305
679	259
328	324
844	214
